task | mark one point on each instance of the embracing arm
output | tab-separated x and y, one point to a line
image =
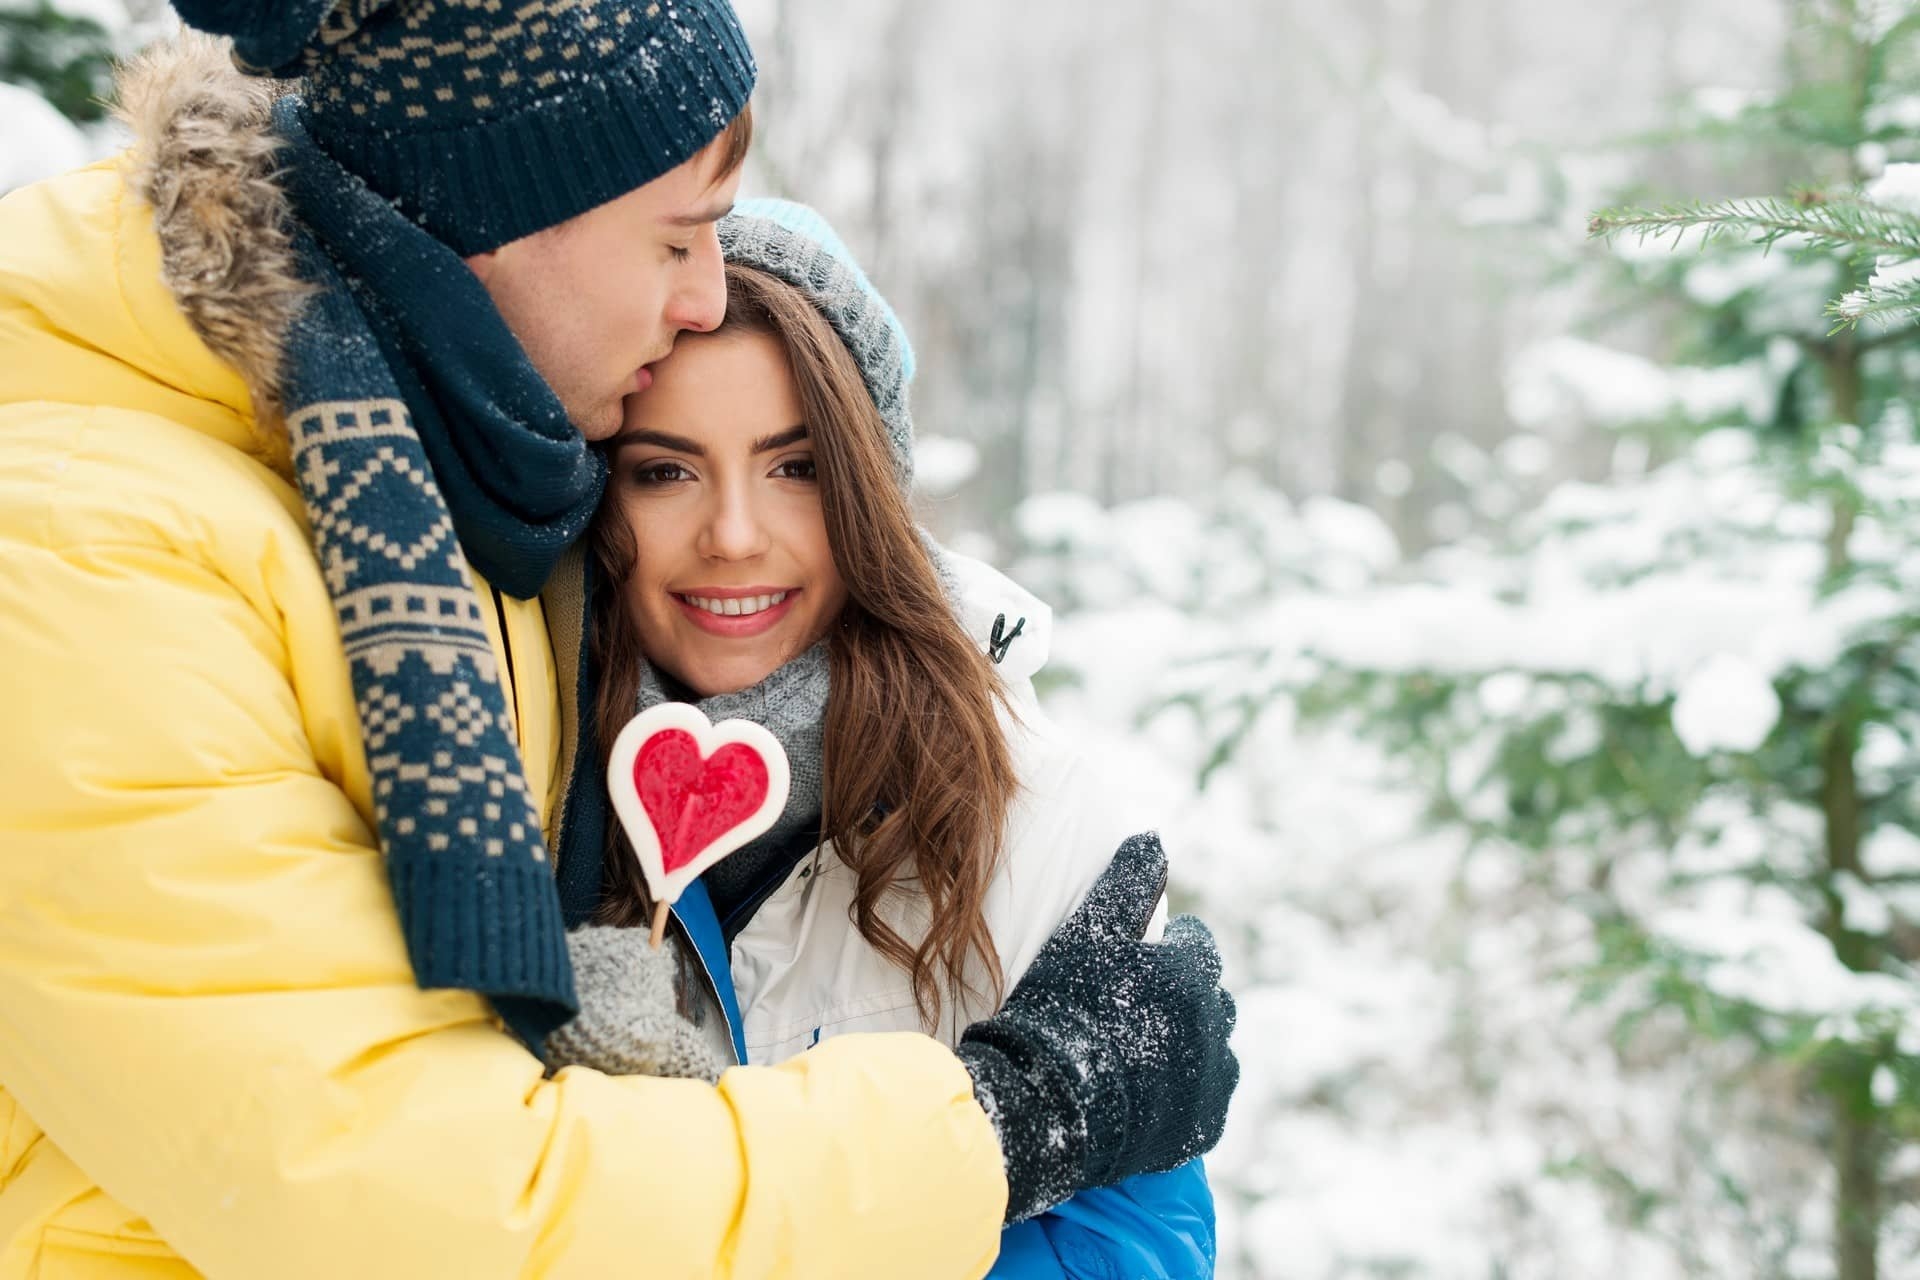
206	1004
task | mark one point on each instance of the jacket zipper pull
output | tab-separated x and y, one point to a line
998	644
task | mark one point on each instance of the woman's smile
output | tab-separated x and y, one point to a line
736	611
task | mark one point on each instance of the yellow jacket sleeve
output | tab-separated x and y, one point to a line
206	1004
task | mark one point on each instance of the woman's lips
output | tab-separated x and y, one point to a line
642	379
735	625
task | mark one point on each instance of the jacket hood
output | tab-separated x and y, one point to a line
162	279
203	158
1007	621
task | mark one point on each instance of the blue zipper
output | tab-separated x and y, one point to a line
696	915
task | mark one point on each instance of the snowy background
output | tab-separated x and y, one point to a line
1509	632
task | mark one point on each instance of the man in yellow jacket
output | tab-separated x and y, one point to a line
295	399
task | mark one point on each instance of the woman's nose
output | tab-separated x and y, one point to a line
734	528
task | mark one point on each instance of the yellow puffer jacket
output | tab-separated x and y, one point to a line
213	1056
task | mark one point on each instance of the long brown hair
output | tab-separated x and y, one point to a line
918	773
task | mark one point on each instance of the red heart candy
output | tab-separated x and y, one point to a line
691	801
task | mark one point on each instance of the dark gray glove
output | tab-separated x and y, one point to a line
629	1022
1110	1058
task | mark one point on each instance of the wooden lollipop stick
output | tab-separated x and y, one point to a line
659	925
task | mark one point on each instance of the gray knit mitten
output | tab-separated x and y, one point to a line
630	1022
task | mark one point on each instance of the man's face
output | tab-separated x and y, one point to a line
600	297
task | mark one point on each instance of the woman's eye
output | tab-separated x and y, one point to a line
797	469
659	473
680	253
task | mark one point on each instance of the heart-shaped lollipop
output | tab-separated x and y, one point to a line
690	792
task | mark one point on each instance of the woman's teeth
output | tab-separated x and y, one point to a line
737	607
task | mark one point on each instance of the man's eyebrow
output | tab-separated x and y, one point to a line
702	218
780	439
660	440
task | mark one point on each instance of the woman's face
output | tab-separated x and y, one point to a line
713	471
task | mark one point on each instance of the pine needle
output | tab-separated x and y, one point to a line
1838	223
1884	304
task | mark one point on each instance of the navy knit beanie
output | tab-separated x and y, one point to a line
487	120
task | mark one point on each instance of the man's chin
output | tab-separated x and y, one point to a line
600	424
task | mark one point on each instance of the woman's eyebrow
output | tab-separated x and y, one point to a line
780	440
660	440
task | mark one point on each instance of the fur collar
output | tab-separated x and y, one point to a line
203	157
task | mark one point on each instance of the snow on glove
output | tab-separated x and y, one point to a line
629	1022
1110	1058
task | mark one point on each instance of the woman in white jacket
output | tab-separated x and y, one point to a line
939	827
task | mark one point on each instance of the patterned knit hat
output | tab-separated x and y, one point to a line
793	243
487	120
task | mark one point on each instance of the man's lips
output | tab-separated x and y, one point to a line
643	376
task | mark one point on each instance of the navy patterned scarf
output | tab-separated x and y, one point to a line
423	440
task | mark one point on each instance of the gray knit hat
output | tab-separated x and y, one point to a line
487	120
794	243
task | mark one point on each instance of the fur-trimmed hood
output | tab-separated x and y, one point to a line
203	157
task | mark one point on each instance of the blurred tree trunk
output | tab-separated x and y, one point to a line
1130	439
1366	398
890	112
1458	341
1258	388
1001	322
1858	1136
